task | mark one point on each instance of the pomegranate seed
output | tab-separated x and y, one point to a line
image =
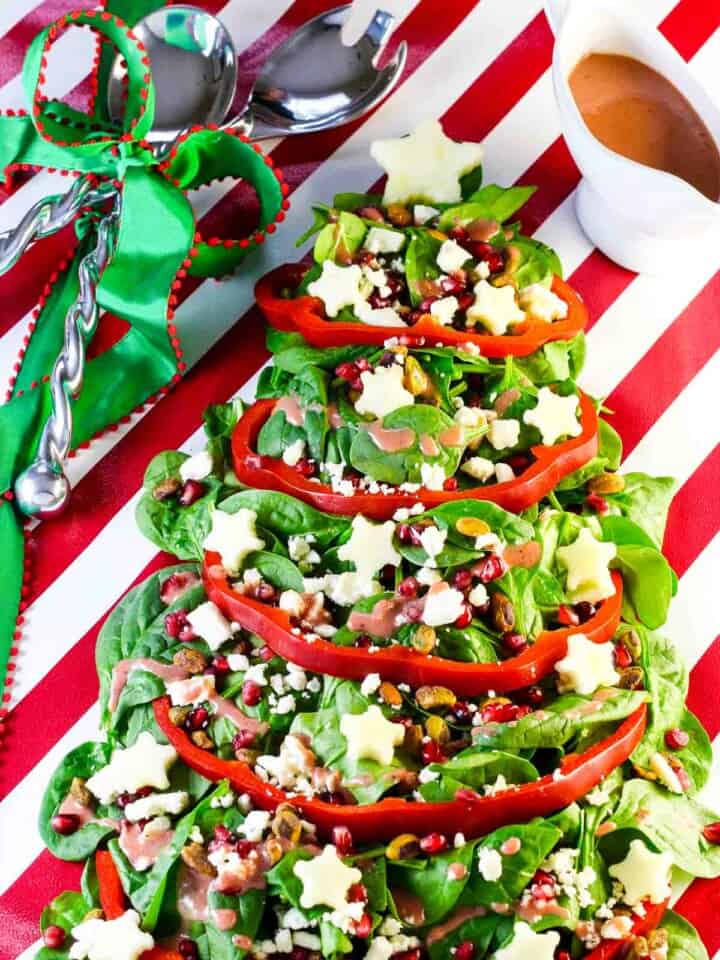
543	885
65	823
187	948
305	467
567	616
432	753
357	893
191	491
187	633
265	654
363	641
534	696
243	739
676	739
433	843
450	484
174	622
465	300
251	693
462	579
387	575
465	618
222	834
461	712
622	656
265	592
465	793
176	584
465	950
220	665
452	285
597	503
408	587
502	712
413	612
244	848
413	954
585	610
343	840
459	233
387	359
346	371
363	364
197	719
363	927
712	832
300	953
427	303
407	534
514	643
489	568
563	955
518	461
377	302
54	937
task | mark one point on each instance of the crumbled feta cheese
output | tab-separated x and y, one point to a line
390	927
337	287
444	309
451	256
540	302
504	473
237	662
370	684
494	307
432	476
118	939
310	941
617	928
285	705
526	943
644	875
208	622
155	805
503	433
598	797
478	596
554	416
427	577
586	666
472	416
294	453
432	540
294	919
382	948
383	391
443	604
482	270
254	825
586	561
326	880
422	213
370	546
427	775
478	468
370	736
233	536
490	865
144	764
290	764
459	840
384	240
196	467
344	589
291	602
191	692
296	678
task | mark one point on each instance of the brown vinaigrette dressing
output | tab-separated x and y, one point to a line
636	112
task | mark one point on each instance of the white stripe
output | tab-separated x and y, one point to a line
13	12
69	63
694	619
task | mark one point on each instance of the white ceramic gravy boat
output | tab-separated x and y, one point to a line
638	216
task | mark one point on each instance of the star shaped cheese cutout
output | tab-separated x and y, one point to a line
586	561
337	287
526	943
326	880
554	416
426	165
370	736
118	939
383	391
644	874
144	764
586	666
370	546
233	536
494	307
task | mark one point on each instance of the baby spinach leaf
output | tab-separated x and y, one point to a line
67	910
556	361
648	583
430	881
475	768
646	500
487	933
285	516
352	201
489	203
337	240
470	182
248	910
538	262
472	644
607	458
278	570
684	943
277	434
537	839
421	263
321	216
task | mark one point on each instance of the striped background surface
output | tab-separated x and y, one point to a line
653	350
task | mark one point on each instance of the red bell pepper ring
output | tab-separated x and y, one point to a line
550	466
306	315
398	663
113	902
642	925
373	822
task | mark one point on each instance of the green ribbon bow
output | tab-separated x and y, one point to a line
156	247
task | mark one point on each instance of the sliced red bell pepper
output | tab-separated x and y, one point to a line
478	815
550	466
642	926
114	904
306	315
401	664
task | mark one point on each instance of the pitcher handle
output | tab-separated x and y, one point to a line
556	11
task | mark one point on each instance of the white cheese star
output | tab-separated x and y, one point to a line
383	391
326	880
144	764
233	536
539	301
586	561
503	433
644	874
554	416
119	939
444	309
586	666
370	546
155	805
337	287
526	943
426	165
370	736
494	307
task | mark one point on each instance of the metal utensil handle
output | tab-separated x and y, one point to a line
50	215
42	489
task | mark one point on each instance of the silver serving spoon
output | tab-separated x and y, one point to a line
311	82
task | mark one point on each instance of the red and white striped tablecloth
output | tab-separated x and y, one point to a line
653	350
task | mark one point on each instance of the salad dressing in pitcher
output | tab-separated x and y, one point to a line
635	111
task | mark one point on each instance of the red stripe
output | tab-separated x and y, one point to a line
702	696
700	904
14	43
695	515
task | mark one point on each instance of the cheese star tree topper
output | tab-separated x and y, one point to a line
426	165
586	561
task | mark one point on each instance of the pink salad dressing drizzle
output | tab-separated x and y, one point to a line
457	917
428	445
385	617
389	441
511	846
224	918
290	406
123	668
453	437
537	909
193	894
409	906
335	418
522	554
142	851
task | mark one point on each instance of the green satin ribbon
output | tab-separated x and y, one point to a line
156	242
